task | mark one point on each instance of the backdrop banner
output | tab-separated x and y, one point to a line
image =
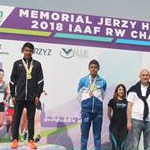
64	44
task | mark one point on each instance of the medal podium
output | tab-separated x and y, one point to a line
23	146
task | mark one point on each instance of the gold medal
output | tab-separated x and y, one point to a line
28	71
92	85
29	76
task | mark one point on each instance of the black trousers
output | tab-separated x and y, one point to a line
19	106
118	136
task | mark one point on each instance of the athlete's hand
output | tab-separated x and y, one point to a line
129	125
14	100
37	100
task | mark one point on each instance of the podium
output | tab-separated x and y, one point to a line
24	146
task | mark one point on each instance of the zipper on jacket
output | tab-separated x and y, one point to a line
26	92
93	105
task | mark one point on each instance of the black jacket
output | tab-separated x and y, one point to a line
26	89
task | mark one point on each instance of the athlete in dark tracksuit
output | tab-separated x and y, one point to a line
26	91
26	86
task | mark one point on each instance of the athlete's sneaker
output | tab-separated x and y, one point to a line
32	145
14	144
37	138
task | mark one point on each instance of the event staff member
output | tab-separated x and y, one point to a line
26	86
138	112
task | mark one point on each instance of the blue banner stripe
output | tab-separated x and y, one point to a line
133	42
83	37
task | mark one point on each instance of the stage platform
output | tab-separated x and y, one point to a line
23	146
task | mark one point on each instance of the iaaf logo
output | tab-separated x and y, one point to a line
69	53
43	51
1	16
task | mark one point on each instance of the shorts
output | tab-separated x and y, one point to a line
2	107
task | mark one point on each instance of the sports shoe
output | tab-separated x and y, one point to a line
14	144
32	145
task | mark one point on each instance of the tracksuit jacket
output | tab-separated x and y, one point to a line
23	88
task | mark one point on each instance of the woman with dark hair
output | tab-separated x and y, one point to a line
117	108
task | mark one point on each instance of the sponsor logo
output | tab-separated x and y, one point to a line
20	65
70	53
42	51
67	53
